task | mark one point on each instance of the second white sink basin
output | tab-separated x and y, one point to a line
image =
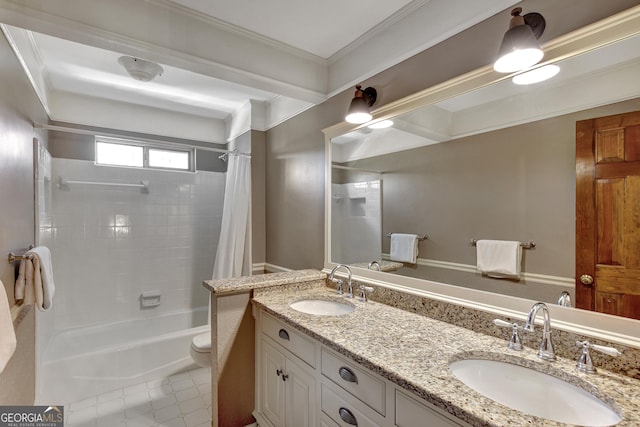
322	307
534	393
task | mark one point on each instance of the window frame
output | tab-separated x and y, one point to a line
146	146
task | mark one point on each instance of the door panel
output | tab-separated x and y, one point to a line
608	214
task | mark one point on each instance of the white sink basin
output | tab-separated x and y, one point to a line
322	307
534	393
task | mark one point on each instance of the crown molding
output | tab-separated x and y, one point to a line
231	28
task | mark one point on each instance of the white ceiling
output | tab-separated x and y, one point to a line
321	28
229	65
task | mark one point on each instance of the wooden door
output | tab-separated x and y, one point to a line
272	386
608	214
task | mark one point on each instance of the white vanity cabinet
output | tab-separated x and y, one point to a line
286	389
302	383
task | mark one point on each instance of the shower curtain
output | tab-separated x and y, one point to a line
233	258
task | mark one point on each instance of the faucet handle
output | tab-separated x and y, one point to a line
363	292
338	283
514	342
585	364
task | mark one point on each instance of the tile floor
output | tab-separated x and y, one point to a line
181	400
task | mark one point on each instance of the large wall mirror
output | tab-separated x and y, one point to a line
479	157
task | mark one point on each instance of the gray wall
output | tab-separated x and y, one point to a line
19	108
295	149
69	145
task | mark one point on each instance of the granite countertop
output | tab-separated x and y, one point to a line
414	352
247	283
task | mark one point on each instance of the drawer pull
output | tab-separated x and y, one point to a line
347	416
347	375
283	334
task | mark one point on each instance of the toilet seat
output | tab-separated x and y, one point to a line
201	349
202	342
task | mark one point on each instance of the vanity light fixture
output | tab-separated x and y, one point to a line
520	48
383	124
359	109
140	69
536	75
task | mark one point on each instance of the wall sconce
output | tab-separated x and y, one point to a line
359	109
520	48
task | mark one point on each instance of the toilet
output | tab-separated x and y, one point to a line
201	349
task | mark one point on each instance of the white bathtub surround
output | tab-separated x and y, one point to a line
92	360
111	244
182	400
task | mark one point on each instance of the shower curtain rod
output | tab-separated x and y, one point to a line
132	138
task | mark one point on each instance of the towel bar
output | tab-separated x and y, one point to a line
525	245
13	257
423	237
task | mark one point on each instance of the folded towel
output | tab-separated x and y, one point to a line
43	284
499	258
404	248
7	334
24	283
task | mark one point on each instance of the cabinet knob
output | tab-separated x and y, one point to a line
285	377
347	375
586	279
279	372
283	334
347	416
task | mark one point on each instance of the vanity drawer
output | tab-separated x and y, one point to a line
410	412
343	412
357	381
290	339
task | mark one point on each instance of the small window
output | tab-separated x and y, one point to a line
119	154
168	159
116	152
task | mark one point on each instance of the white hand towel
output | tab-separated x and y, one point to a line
404	248
499	258
7	334
45	283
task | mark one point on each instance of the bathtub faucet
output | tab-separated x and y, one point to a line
339	282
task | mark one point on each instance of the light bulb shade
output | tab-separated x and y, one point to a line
519	50
358	112
140	69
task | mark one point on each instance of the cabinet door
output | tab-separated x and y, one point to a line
273	387
300	396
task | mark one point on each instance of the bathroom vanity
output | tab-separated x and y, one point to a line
388	364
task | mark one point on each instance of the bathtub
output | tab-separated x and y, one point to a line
87	361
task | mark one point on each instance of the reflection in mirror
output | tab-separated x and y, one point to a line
506	172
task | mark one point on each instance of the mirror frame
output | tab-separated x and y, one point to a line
609	328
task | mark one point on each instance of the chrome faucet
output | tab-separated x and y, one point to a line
339	282
545	351
565	299
374	263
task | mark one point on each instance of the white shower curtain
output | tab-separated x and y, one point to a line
233	258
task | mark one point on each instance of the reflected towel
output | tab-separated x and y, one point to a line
500	259
43	284
404	248
7	334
